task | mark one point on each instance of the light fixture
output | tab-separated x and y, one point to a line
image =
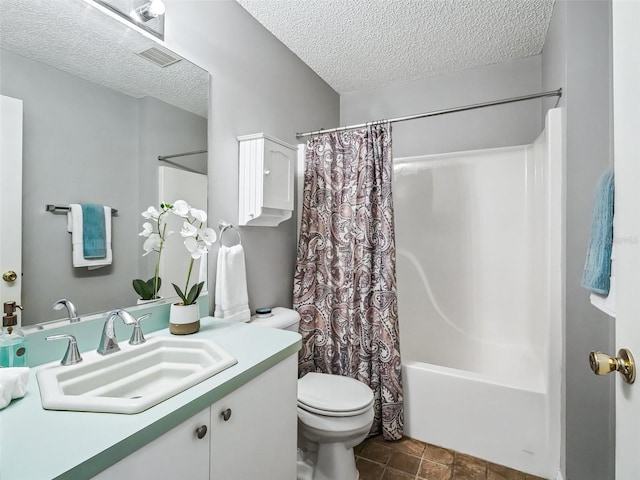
148	11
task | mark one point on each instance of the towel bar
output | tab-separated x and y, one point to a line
224	226
62	208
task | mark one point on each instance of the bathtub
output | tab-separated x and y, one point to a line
480	267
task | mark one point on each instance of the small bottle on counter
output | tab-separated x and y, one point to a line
13	342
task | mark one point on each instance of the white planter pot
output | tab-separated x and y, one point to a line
184	319
153	300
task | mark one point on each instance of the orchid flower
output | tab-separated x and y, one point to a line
181	208
156	234
188	230
199	215
197	240
152	244
208	236
147	229
151	212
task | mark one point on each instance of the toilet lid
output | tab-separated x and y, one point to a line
333	395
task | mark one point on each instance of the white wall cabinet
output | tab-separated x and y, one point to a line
265	176
250	434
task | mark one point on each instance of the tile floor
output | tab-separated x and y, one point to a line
409	459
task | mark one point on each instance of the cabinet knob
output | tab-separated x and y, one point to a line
267	172
201	432
226	414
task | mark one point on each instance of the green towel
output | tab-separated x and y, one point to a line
597	268
94	234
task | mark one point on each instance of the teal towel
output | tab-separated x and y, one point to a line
597	268
94	235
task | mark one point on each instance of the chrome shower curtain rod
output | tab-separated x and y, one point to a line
551	93
185	154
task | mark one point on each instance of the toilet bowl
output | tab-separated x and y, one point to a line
335	414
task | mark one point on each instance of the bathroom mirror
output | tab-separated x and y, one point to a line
98	110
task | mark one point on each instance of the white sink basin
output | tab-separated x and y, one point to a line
133	379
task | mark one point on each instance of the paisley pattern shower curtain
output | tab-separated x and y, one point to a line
345	279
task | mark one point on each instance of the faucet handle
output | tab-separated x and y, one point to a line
72	355
137	337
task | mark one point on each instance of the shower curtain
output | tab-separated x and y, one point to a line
345	278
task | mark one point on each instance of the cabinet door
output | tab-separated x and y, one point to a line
278	176
258	439
178	454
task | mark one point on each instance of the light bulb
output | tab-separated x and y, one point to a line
148	11
157	8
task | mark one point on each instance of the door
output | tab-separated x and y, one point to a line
10	199
626	104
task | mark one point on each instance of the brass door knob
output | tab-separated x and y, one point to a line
9	276
601	364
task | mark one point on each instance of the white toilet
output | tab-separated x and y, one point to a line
334	415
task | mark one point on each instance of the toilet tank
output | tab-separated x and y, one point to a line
283	318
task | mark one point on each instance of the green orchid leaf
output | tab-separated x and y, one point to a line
143	289
194	293
180	294
146	290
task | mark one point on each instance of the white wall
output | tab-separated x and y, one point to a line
514	124
577	56
258	85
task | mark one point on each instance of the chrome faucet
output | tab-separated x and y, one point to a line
71	309
108	341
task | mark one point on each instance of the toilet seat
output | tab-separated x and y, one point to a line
333	395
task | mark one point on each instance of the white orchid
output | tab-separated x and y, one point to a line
147	229
197	240
152	244
194	248
188	230
155	238
209	236
199	215
152	213
181	208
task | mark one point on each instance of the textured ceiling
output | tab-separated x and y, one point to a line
75	37
364	44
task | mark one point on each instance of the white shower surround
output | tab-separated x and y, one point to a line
480	261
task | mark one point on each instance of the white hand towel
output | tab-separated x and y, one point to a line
607	303
232	301
74	226
13	384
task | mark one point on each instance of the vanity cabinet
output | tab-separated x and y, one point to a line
179	453
250	434
254	428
